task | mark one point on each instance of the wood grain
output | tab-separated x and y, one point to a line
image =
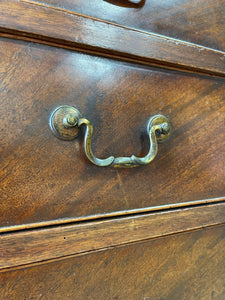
196	21
45	179
47	23
38	245
185	266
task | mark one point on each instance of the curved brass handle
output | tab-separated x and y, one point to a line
128	3
65	121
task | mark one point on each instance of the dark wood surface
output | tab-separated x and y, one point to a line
47	24
196	21
25	247
44	178
180	267
118	77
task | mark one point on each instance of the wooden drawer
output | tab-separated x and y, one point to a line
180	267
72	230
201	22
46	180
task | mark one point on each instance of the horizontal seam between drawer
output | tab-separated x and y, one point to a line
112	215
20	36
142	36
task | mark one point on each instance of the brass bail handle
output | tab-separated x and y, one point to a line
65	121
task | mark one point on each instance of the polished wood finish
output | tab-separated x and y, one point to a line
86	33
113	214
46	179
38	245
71	230
197	21
180	267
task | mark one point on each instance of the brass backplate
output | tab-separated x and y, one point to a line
158	120
57	124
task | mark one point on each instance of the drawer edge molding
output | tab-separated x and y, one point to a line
114	214
84	32
25	247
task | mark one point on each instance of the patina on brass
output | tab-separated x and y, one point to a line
65	122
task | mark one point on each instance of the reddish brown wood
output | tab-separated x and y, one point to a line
45	179
184	266
39	245
196	21
30	19
113	214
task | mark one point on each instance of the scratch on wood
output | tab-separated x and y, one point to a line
122	188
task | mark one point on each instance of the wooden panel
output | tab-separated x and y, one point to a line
27	19
196	21
46	179
184	266
39	245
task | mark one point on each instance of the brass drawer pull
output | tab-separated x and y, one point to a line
127	3
65	122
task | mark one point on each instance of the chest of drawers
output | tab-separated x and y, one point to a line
64	219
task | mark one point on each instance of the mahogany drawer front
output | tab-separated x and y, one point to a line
180	267
45	179
201	22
